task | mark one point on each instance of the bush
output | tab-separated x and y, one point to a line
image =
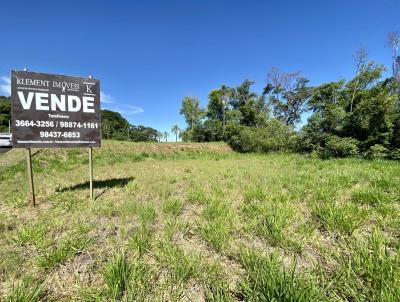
274	136
394	154
377	151
209	131
336	146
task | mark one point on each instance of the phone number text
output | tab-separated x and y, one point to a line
57	124
57	134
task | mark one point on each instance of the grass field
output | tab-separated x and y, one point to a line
188	222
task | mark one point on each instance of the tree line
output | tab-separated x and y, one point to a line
115	126
355	117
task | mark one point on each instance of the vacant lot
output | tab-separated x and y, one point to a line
187	222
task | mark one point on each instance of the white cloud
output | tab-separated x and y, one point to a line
127	109
5	86
108	102
106	98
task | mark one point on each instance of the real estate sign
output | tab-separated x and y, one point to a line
50	110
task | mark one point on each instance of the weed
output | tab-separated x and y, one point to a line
181	266
218	292
216	287
369	272
254	194
265	280
32	234
342	218
141	239
55	255
173	206
116	276
147	214
197	196
25	292
268	219
217	228
139	285
370	196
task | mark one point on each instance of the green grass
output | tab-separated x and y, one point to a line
197	222
173	207
344	219
217	225
116	276
32	234
25	292
267	280
369	272
58	254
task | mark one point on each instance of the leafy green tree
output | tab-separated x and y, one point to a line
287	94
252	107
191	110
215	107
209	131
5	113
353	116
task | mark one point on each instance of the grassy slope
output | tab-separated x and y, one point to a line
198	222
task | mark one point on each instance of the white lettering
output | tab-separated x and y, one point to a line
71	106
88	104
54	102
57	102
89	89
26	104
42	101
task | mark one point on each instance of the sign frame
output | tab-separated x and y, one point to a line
54	111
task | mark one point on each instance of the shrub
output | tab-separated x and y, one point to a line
274	136
378	151
394	154
336	146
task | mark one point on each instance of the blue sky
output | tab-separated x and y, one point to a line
149	54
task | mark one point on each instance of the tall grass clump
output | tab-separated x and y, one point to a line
267	280
268	219
32	234
181	266
173	207
25	292
116	276
370	271
197	196
140	284
58	254
140	241
217	226
344	219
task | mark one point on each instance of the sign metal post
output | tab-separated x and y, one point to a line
91	166
91	171
30	175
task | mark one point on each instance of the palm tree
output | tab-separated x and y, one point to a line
159	136
166	136
106	125
176	130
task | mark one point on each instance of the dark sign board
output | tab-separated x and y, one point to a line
50	110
